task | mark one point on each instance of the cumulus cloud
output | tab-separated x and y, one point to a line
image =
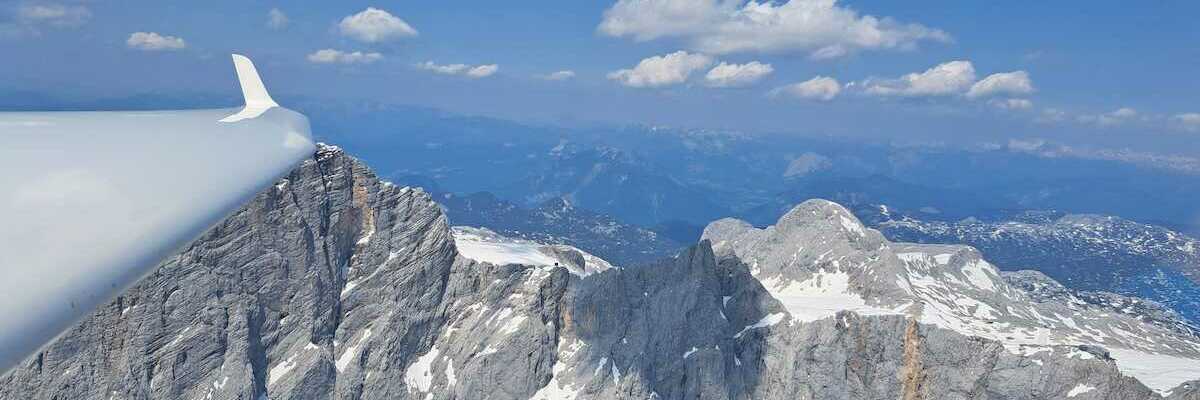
1187	121
276	19
152	41
1009	83
737	75
945	79
332	56
822	28
1117	117
477	71
1026	145
558	75
483	71
374	25
821	88
1012	104
1124	112
664	70
1051	115
449	69
55	15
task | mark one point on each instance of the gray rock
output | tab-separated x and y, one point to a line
335	285
1186	391
259	304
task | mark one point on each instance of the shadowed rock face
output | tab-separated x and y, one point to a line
335	285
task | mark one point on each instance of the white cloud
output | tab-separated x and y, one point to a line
56	15
450	69
945	79
477	71
1027	145
483	71
152	41
1012	104
276	19
1189	121
1051	115
821	88
1010	83
1116	117
1124	112
737	75
664	70
820	27
331	56
374	25
558	75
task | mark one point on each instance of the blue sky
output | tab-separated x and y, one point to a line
1099	74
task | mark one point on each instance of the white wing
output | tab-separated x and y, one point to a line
90	202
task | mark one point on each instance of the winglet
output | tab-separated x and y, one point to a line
258	100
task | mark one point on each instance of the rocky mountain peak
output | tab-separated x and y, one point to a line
333	284
815	261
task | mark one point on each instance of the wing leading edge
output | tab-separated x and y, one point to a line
93	201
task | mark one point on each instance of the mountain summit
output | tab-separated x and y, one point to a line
333	284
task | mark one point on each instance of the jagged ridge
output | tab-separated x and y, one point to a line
335	285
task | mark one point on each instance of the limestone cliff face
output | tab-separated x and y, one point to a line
271	300
334	285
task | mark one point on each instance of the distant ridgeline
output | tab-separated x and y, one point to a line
1084	252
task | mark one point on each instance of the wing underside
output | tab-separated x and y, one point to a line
93	201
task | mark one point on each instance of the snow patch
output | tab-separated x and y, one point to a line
1080	389
487	350
1159	372
977	273
502	253
851	226
279	370
348	356
419	375
555	389
366	238
819	297
769	320
483	245
450	378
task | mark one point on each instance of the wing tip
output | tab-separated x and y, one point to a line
254	92
253	89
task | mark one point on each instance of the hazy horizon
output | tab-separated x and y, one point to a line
961	74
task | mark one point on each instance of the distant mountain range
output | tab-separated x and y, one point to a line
653	175
674	181
1090	254
1086	252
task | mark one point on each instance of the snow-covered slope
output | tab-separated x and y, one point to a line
1084	252
818	259
484	245
559	221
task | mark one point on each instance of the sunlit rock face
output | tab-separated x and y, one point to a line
818	259
332	284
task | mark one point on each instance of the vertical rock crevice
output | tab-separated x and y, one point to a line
913	372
